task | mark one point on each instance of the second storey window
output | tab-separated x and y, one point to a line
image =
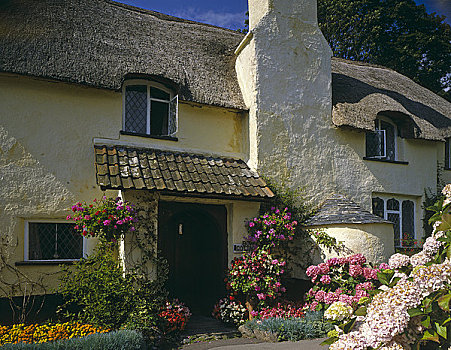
46	241
150	109
381	144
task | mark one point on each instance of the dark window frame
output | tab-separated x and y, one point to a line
27	246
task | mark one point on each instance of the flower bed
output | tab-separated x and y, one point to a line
36	333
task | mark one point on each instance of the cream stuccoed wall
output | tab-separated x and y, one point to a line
47	132
376	240
284	70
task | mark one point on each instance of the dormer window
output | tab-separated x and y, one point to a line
149	109
381	144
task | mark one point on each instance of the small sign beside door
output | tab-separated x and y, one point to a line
241	248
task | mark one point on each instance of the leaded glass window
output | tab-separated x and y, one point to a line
401	212
381	143
53	241
150	109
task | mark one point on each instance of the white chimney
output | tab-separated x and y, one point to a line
284	70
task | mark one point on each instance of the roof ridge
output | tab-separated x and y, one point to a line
166	17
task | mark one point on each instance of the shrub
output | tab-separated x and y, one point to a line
35	333
96	291
413	307
293	329
341	279
118	340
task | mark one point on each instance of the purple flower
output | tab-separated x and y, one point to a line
132	228
325	279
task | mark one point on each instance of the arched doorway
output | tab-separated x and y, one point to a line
193	238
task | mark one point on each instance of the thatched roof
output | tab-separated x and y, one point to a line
361	91
98	42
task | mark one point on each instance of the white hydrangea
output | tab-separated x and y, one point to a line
338	311
398	260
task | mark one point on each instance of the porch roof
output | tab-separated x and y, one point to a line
338	209
171	172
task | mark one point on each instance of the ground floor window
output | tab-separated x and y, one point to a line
402	213
45	241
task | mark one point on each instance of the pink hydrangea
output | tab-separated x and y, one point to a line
325	279
357	259
312	271
319	296
332	262
355	270
369	273
323	268
330	297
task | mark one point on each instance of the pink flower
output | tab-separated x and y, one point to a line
384	266
261	296
369	273
251	224
330	298
325	279
319	296
332	262
106	222
87	217
323	268
357	259
68	217
355	270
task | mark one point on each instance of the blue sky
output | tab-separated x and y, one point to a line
230	13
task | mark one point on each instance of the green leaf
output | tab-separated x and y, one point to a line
329	341
415	312
385	276
432	336
394	281
441	330
426	322
443	302
361	311
348	326
446	321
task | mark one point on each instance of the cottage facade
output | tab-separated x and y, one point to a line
180	117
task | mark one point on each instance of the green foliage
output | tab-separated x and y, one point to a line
292	199
293	329
97	291
430	198
119	340
397	34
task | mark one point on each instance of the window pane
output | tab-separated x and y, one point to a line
159	118
374	144
70	242
378	207
160	94
49	241
408	224
390	139
393	204
136	108
393	217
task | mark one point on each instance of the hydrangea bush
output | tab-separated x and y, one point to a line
106	218
412	307
341	279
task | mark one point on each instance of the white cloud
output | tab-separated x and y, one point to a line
221	19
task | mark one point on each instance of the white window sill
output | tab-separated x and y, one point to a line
159	137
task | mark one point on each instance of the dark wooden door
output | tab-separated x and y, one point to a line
193	238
